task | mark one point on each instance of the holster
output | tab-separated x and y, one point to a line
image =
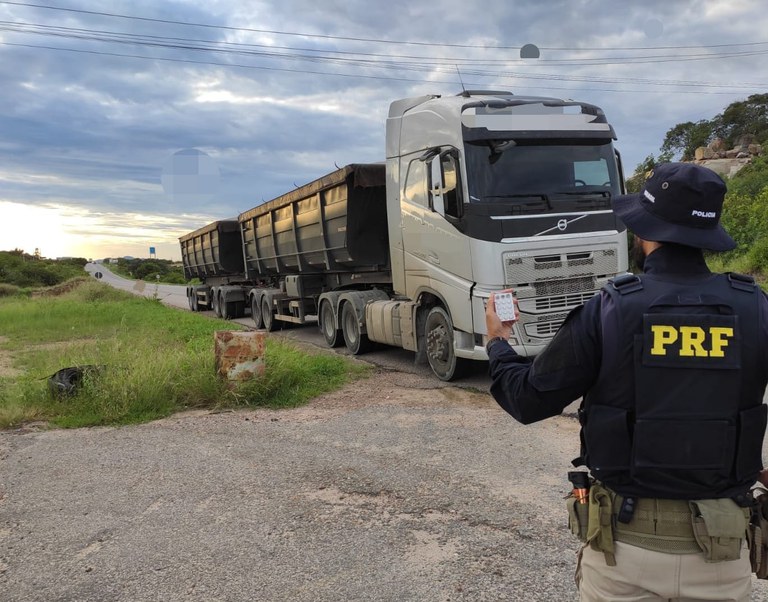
578	517
757	533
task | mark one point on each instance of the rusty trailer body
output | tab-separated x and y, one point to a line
213	251
336	224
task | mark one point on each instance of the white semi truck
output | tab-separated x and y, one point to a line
480	191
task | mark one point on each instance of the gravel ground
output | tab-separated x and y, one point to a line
394	488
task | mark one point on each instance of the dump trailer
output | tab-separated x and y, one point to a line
213	254
480	191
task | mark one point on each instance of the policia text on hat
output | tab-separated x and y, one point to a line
672	369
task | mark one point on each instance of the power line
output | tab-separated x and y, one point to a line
361	39
369	60
244	48
336	74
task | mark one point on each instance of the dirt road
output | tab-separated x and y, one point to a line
389	489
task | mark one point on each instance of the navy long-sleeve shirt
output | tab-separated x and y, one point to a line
532	390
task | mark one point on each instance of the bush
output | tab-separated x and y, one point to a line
745	217
9	290
24	270
752	179
756	260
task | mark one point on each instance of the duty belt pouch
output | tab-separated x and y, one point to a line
578	517
719	527
600	525
758	533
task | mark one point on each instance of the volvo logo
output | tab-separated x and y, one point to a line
562	224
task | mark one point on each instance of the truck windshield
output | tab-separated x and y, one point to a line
541	177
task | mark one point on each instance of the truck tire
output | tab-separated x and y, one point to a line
216	303
256	312
356	341
331	334
192	300
268	314
438	338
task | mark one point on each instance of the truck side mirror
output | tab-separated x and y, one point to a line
436	187
444	184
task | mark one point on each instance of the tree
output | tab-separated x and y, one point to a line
636	181
685	138
743	117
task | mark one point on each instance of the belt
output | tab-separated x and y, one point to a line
657	524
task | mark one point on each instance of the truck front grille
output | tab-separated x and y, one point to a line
562	301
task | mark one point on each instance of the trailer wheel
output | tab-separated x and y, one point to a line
356	341
192	300
256	312
438	335
216	303
268	315
328	326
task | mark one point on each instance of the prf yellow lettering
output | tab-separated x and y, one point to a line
691	343
692	339
719	335
662	336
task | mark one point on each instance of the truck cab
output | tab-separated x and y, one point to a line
486	191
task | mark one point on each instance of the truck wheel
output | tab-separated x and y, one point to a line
256	312
356	341
438	334
268	315
216	303
192	299
328	326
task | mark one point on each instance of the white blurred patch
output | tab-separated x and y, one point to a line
653	28
190	176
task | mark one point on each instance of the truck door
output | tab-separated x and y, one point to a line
437	253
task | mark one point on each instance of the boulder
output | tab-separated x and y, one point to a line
704	152
718	145
755	149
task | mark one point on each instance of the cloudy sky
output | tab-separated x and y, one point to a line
107	105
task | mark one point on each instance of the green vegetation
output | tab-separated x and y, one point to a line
25	271
151	361
745	117
745	213
154	270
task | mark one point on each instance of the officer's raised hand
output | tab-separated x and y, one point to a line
493	324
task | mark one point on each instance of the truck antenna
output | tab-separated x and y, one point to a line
463	89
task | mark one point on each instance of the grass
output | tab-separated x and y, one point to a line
153	361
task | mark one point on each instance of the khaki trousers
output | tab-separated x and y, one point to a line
643	576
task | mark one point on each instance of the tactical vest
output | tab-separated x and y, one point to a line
677	409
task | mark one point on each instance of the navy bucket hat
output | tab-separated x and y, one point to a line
680	203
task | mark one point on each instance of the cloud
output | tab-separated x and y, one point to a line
92	113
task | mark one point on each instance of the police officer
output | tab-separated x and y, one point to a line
671	369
